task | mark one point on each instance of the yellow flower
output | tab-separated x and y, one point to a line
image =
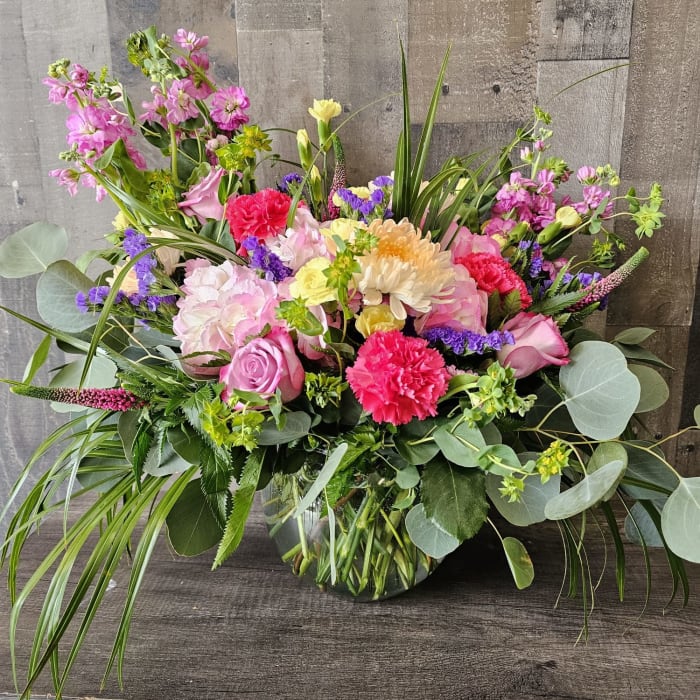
377	318
406	266
568	217
311	284
340	228
120	222
361	192
325	110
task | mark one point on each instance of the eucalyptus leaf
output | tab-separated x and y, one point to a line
454	497
32	249
55	297
605	453
680	519
192	527
640	528
634	336
413	442
586	493
654	389
648	476
408	477
498	459
519	562
601	393
428	535
530	507
460	446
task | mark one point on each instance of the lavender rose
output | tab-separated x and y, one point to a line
538	343
264	365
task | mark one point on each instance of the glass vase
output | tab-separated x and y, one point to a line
357	547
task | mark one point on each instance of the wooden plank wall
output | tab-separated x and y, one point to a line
505	55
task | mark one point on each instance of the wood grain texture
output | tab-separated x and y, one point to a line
250	629
584	29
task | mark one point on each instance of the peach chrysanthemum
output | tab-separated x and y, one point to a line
406	266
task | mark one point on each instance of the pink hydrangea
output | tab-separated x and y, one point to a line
396	378
223	305
300	243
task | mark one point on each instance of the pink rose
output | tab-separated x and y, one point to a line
265	365
538	343
202	200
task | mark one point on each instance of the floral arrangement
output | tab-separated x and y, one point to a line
405	361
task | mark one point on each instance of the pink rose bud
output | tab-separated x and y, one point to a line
202	200
264	365
538	344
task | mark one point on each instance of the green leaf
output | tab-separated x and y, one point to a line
639	527
648	477
296	425
242	503
37	360
498	459
187	444
586	493
460	446
640	354
605	453
32	249
408	477
413	442
192	527
529	509
633	336
654	390
162	460
428	535
55	297
696	415
519	562
601	393
680	519
333	462
455	498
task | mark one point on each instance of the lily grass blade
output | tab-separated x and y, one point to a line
401	197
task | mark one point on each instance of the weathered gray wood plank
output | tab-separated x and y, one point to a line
584	29
251	629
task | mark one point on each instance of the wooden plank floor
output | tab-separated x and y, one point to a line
252	630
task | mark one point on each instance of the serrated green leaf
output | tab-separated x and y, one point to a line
601	393
519	562
192	527
455	498
586	493
428	535
32	249
242	503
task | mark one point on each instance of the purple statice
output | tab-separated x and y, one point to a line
382	181
463	342
289	179
262	258
135	244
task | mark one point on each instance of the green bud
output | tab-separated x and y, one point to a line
549	233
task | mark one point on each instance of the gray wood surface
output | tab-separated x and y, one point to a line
253	630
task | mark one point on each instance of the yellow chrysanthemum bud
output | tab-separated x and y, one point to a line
568	217
311	284
377	318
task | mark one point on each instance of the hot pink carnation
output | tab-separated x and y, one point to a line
396	378
263	215
221	307
493	273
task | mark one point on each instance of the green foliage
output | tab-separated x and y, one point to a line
192	526
428	534
32	249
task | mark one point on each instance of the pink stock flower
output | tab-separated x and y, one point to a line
190	40
221	307
265	365
156	110
396	378
68	178
497	226
180	101
516	192
587	175
202	199
227	108
263	215
538	343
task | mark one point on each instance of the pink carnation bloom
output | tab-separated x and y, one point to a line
227	108
202	199
221	307
263	215
396	378
493	273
